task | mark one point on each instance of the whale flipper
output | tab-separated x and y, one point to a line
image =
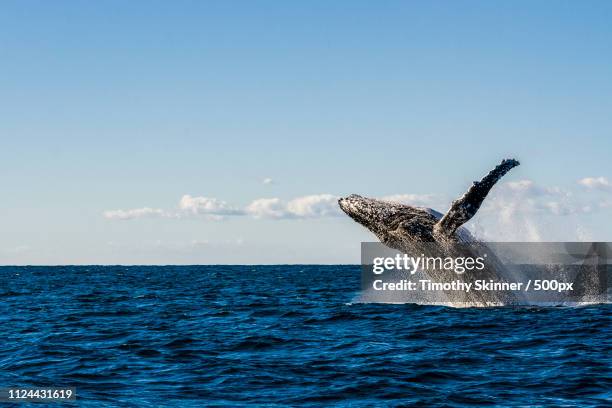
464	208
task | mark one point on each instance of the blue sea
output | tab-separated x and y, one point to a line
280	336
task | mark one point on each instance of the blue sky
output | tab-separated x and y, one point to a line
112	106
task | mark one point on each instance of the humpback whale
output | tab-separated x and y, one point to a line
413	229
400	226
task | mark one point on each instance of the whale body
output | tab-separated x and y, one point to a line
412	229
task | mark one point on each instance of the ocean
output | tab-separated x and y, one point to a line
286	335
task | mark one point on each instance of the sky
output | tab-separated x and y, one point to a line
199	132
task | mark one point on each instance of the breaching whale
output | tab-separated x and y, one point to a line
411	229
399	226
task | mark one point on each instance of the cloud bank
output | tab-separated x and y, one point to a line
508	202
304	207
311	206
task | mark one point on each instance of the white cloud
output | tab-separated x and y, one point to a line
599	183
268	180
189	205
312	206
522	211
560	208
525	196
520	185
267	208
134	213
531	188
209	208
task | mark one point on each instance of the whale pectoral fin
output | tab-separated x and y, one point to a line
463	209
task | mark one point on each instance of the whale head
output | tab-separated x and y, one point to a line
391	222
